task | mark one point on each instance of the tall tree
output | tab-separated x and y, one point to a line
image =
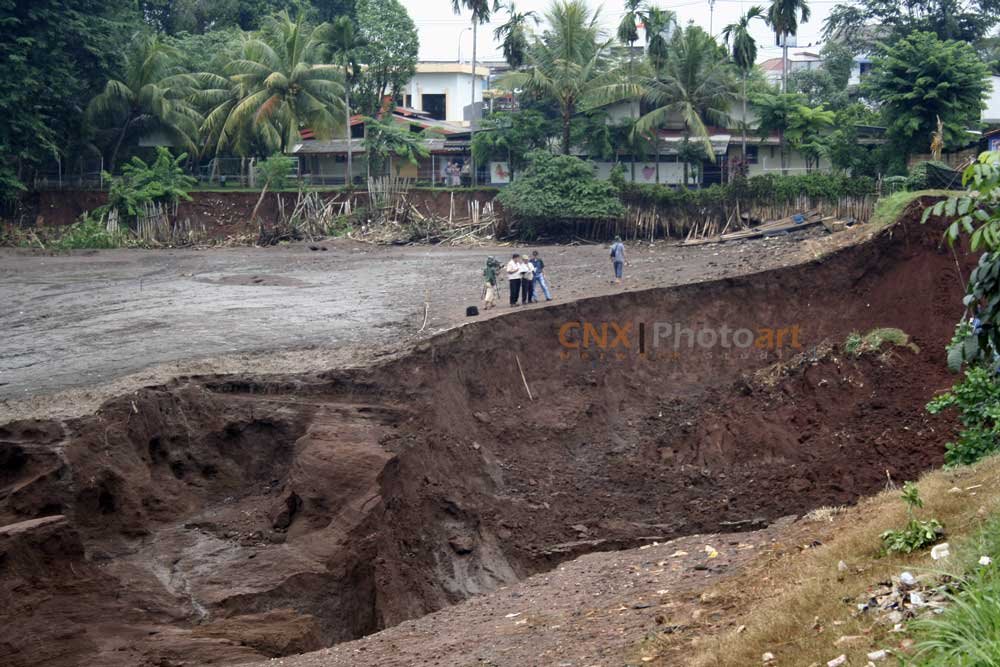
628	34
513	37
774	114
695	84
279	86
150	99
660	27
566	63
55	53
345	42
863	25
744	54
922	78
481	12
784	17
389	59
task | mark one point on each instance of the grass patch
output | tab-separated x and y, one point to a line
796	603
873	341
888	210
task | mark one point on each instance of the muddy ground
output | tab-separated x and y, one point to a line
226	518
77	325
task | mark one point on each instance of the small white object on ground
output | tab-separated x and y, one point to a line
880	654
985	560
908	580
767	658
941	551
842	566
838	661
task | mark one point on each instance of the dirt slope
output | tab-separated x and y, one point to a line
218	519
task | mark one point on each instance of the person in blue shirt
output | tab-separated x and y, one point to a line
618	258
540	281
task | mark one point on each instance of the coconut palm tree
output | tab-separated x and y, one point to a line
695	85
567	63
784	17
277	86
345	42
481	12
513	37
628	33
151	99
744	54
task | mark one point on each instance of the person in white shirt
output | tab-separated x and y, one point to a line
513	269
527	281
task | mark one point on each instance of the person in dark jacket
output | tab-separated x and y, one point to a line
540	282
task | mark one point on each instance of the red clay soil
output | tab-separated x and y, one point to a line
223	519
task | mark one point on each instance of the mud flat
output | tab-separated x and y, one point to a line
227	518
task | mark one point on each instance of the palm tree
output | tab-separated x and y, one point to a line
152	98
277	87
566	64
660	24
784	17
744	53
512	36
628	33
345	42
694	84
481	11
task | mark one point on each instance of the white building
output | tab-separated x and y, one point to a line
443	90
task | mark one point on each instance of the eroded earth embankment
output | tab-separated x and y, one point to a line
222	519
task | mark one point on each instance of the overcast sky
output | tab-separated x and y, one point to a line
443	34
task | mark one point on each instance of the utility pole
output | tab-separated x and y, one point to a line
711	17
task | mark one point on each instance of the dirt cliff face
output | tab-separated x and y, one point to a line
218	519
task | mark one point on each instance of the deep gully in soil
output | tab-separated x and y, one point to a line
221	519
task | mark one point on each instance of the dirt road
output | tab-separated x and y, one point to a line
81	327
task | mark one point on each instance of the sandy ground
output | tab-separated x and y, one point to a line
79	328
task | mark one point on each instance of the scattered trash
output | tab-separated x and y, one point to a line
985	560
767	658
712	553
838	661
842	566
941	551
876	656
514	615
907	580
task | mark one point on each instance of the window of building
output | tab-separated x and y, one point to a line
435	106
752	154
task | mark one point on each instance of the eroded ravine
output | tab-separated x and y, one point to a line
221	519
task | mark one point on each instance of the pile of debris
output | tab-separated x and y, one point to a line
906	597
391	218
793	223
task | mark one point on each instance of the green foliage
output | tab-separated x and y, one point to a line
559	188
967	632
389	56
511	137
276	172
862	25
54	54
977	400
931	174
844	148
90	232
278	85
873	341
513	35
163	181
922	78
385	138
917	534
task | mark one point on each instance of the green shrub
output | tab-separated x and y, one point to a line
556	189
874	340
275	172
88	232
163	181
917	534
977	399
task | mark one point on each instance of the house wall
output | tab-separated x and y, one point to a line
457	88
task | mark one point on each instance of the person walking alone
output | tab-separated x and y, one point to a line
540	282
618	258
490	283
513	269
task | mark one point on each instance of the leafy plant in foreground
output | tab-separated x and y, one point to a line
163	181
89	232
917	534
977	399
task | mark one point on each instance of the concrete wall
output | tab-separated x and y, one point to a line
455	86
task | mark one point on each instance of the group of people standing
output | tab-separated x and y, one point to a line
525	279
526	276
